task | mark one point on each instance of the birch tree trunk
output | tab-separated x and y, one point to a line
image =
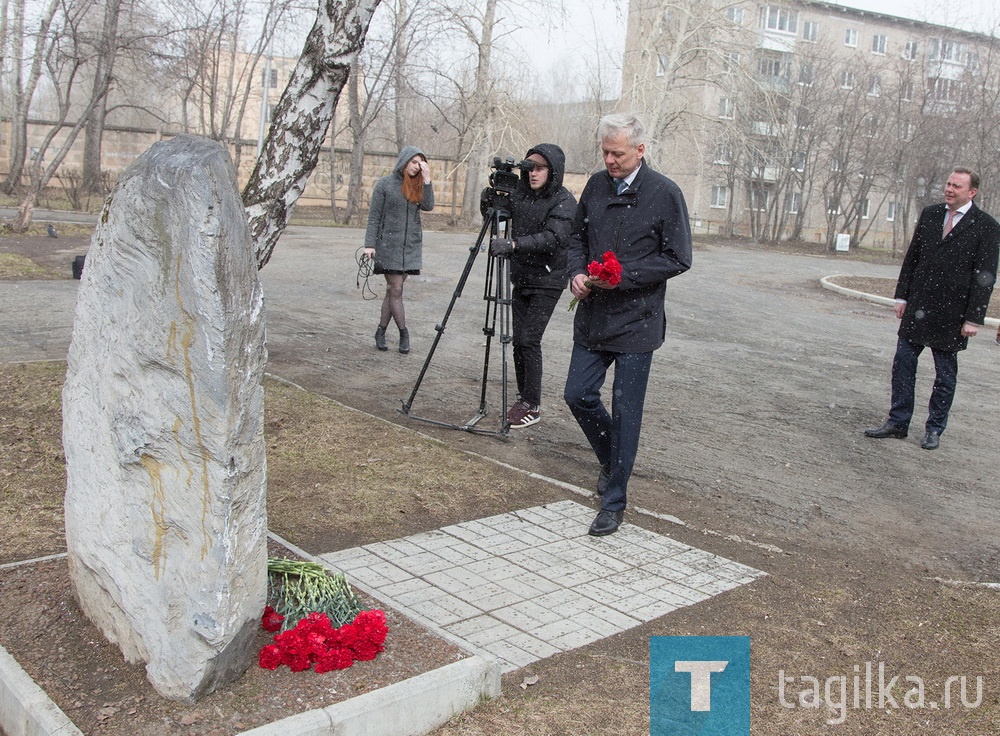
301	119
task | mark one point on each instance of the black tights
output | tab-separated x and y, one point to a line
392	305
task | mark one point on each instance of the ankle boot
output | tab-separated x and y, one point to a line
380	339
404	340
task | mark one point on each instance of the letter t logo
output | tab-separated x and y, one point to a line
701	680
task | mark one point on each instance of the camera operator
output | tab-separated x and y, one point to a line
542	212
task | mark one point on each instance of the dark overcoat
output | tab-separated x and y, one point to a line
647	228
947	281
394	228
542	223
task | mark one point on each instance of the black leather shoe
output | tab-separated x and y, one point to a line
380	339
931	441
886	430
603	479
607	522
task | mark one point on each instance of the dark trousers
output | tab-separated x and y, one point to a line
530	310
614	437
904	379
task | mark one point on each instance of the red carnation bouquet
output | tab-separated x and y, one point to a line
608	270
315	643
318	620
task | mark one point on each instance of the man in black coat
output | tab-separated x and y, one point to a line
942	294
542	211
641	216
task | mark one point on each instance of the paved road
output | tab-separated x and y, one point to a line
755	408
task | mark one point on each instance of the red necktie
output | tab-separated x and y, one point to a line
948	223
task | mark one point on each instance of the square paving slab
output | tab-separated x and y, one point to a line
527	584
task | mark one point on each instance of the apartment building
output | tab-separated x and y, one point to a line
808	120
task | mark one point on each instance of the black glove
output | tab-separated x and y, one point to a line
501	247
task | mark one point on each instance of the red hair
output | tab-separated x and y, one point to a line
413	186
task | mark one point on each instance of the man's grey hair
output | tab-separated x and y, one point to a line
620	123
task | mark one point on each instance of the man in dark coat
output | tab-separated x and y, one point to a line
542	211
641	216
942	294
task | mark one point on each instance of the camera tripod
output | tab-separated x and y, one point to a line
497	295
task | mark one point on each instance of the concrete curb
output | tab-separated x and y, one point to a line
25	709
412	706
886	301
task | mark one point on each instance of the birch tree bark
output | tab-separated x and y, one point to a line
301	119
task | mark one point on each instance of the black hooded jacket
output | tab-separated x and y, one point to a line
542	222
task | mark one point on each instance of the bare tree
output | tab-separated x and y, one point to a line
22	90
107	51
62	49
301	119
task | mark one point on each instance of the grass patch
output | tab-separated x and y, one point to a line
13	266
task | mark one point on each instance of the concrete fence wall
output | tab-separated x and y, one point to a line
326	185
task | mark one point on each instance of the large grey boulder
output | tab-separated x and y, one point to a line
163	423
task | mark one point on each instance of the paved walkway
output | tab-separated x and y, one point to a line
528	584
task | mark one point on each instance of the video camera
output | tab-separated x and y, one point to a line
503	181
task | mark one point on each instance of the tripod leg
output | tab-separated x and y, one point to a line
488	225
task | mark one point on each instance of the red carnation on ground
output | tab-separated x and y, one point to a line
608	270
271	620
315	643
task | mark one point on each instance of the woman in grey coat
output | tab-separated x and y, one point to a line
394	239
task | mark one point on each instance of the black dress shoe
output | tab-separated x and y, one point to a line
603	480
607	522
931	441
886	430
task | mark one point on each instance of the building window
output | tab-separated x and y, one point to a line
866	208
851	38
662	64
910	50
906	90
774	18
905	130
832	206
793	203
945	90
944	50
735	15
834	164
270	79
799	161
770	66
972	61
730	61
847	79
803	117
760	198
723	153
875	86
720	196
878	44
807	73
726	108
890	212
810	30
